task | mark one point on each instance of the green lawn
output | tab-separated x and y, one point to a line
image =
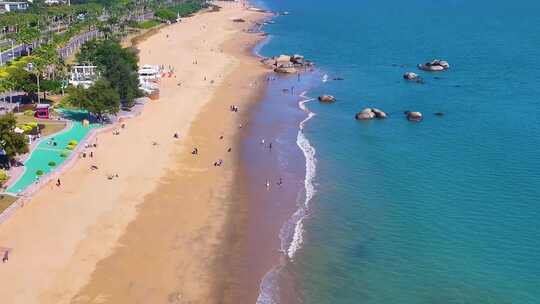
51	126
148	24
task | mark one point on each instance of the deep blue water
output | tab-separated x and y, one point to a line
442	211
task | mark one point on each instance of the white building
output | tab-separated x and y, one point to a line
13	6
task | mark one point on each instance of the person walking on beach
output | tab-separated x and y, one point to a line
58	183
267	184
280	182
5	258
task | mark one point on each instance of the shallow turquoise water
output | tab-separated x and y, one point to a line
442	211
45	153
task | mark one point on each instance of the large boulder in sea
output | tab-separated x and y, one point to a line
414	115
435	65
297	59
285	70
378	113
365	115
370	113
327	99
283	58
410	76
270	62
286	64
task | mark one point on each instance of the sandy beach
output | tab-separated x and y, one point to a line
160	232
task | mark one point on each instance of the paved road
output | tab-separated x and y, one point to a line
76	42
72	46
8	55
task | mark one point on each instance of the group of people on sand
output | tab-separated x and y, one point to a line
264	144
234	108
269	147
279	183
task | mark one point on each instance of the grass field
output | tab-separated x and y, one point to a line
148	24
51	126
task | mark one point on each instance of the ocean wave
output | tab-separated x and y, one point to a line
311	167
269	289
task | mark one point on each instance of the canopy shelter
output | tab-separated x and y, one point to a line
84	75
42	111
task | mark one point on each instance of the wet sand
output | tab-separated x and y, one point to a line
161	231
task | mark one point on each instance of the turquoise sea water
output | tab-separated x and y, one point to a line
442	211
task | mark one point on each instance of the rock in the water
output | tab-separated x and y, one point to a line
283	58
269	62
434	65
365	116
327	98
285	64
414	116
298	59
285	70
410	76
439	114
370	113
379	113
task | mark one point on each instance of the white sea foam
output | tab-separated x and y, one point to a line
269	289
311	168
325	78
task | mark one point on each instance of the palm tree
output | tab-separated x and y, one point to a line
45	59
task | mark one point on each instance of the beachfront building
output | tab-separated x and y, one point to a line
149	73
84	75
55	2
13	6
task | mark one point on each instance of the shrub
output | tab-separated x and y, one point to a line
70	147
73	142
64	154
52	164
29	113
32	124
26	128
3	177
39	172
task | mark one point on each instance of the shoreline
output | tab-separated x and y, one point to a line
85	229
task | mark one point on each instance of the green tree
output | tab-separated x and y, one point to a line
166	14
99	99
116	64
11	143
22	80
45	61
27	35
